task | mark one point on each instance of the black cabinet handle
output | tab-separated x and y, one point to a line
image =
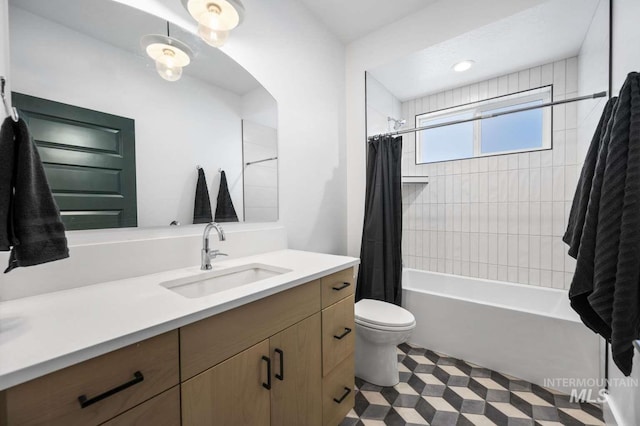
281	353
84	402
268	384
346	331
343	286
347	391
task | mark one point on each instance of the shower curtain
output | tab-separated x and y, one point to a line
380	274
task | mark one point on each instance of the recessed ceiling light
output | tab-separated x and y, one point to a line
463	65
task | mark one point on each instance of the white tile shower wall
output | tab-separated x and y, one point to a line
499	217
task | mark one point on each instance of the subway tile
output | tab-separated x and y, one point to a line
492	272
558	220
488	214
557	280
559	77
442	189
457	268
558	147
534	159
483	164
464	246
512	218
546	158
448	266
474	240
473	165
513	184
418	244
569	262
442	217
546	184
523	218
534	77
512	247
570	181
474	187
502	273
426	244
534	184
474	217
546	218
512	276
442	265
492	163
514	162
546	246
457	169
483	270
571	146
503	249
558	248
503	85
503	218
523	160
572	75
473	269
545	278
464	166
523	80
523	185
433	244
523	251
534	218
465	188
442	247
568	277
488	248
503	186
546	74
523	275
513	82
492	187
465	269
534	276
457	247
464	217
559	115
457	189
534	251
449	217
457	217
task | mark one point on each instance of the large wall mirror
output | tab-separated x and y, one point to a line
555	50
122	147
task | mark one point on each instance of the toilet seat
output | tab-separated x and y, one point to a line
383	316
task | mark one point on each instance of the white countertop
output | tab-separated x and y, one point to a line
45	333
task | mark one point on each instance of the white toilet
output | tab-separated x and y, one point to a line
380	327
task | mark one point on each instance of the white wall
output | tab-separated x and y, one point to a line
499	217
178	125
624	401
437	22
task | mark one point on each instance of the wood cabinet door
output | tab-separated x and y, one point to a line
296	395
231	393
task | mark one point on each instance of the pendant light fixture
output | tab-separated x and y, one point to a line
170	55
215	18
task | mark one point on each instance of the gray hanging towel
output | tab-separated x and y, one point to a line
30	223
202	204
605	290
225	212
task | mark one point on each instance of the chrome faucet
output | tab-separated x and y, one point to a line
207	254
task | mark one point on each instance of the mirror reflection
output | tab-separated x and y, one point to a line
122	135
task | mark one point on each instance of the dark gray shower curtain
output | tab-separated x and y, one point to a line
380	274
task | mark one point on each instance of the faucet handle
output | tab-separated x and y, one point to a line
216	253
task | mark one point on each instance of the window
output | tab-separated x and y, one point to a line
517	132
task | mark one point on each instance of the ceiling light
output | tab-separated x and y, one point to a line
170	55
215	18
463	65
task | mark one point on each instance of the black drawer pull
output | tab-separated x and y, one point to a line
343	286
346	331
84	402
281	375
347	391
268	384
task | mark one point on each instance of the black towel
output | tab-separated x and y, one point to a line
30	220
202	204
224	209
605	290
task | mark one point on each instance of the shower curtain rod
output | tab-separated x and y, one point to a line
496	114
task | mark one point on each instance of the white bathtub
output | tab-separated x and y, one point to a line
528	332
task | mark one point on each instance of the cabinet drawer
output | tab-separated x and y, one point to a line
338	333
337	286
338	393
161	410
53	399
208	342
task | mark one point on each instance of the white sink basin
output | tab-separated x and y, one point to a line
212	282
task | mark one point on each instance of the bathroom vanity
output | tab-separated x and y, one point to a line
275	351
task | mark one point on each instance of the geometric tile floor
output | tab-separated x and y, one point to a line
442	391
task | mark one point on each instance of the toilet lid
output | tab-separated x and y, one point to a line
376	312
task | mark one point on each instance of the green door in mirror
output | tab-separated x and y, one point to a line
89	160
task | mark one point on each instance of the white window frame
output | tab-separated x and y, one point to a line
543	94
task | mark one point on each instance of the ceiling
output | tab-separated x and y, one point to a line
352	19
122	26
544	33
